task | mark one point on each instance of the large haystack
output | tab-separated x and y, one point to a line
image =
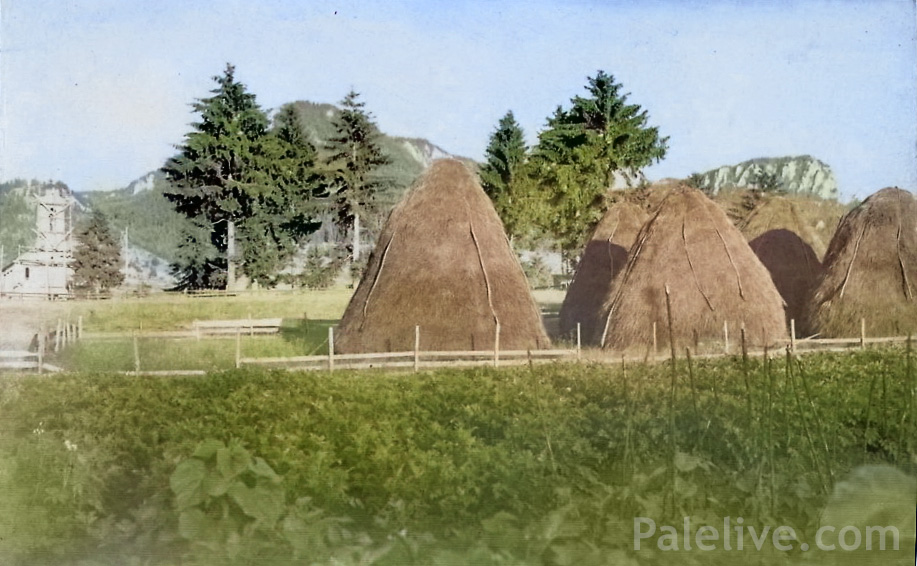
442	262
689	246
604	257
793	266
870	270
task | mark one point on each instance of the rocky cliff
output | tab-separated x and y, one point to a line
794	175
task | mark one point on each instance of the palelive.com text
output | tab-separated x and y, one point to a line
735	535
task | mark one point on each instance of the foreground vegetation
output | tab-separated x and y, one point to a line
543	465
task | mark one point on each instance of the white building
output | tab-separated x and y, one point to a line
44	271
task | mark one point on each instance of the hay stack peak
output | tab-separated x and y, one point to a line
812	219
689	247
870	270
442	262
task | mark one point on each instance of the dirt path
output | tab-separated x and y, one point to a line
20	321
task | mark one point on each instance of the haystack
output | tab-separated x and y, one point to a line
690	247
603	258
813	220
794	269
870	270
442	262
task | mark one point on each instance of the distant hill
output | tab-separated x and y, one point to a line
142	210
17	220
803	175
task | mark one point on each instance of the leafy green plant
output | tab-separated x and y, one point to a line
232	510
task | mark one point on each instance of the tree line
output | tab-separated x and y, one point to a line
254	186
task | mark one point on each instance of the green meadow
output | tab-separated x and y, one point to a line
551	464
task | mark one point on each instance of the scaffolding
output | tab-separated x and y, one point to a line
44	271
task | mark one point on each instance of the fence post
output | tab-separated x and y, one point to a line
251	325
136	355
416	348
79	328
497	345
744	346
330	348
579	342
41	349
668	310
57	337
793	335
725	336
655	342
238	348
862	333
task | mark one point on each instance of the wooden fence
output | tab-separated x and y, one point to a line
414	359
200	329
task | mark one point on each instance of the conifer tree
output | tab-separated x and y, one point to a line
96	259
502	177
355	156
250	185
580	151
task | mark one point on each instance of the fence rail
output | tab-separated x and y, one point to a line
416	358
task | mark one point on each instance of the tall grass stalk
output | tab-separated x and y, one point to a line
746	377
869	399
911	380
805	425
771	386
691	381
626	467
818	422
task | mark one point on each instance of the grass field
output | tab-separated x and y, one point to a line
543	465
307	316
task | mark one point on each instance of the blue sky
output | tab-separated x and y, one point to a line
96	92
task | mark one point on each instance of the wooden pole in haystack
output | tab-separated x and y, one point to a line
862	333
725	337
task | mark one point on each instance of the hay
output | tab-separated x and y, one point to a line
690	246
870	270
443	262
603	258
813	220
793	266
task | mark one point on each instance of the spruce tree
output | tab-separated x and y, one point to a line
579	152
355	156
501	176
96	259
197	264
254	187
